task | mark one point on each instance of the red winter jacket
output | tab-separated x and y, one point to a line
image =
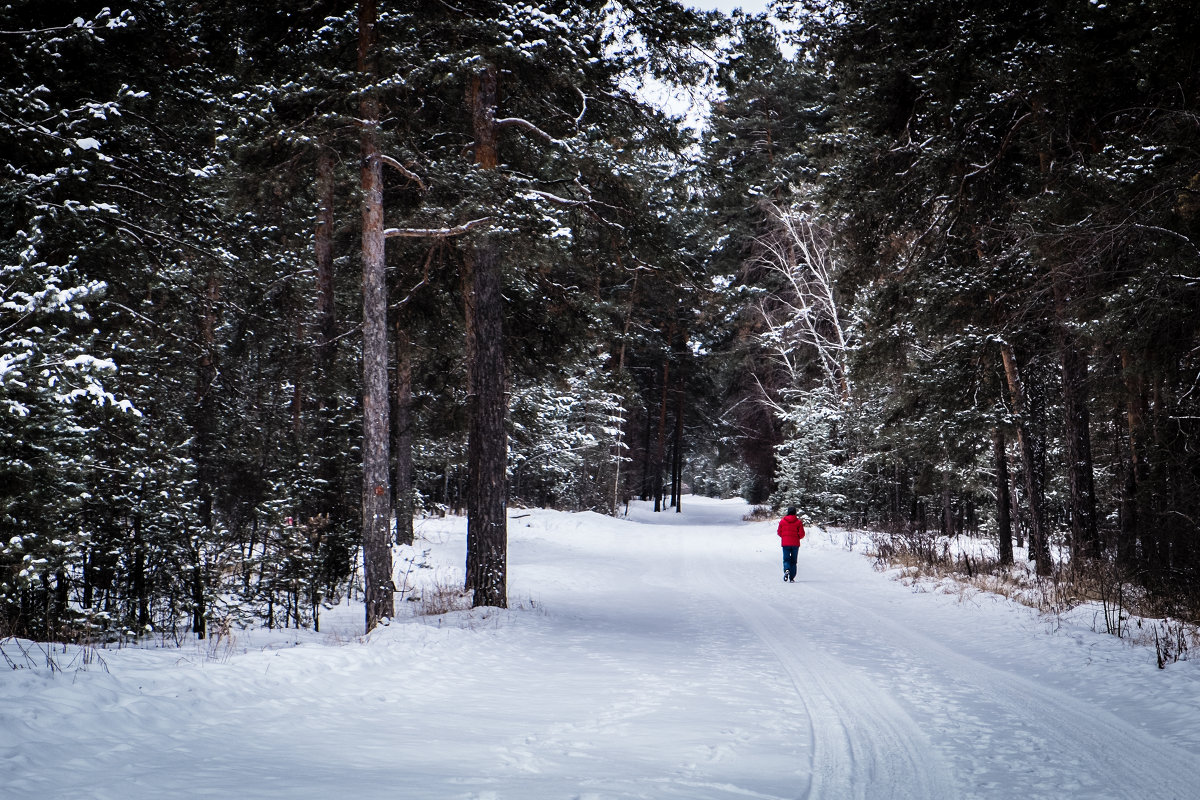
791	531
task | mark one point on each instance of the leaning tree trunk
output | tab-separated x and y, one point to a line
376	499
487	516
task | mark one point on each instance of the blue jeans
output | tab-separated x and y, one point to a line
789	561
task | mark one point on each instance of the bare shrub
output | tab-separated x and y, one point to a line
759	514
441	597
1173	639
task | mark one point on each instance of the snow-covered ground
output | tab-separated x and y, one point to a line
655	657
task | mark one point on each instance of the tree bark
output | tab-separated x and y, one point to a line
325	339
647	473
404	438
947	506
661	441
1127	547
487	516
677	461
204	444
1031	464
199	605
468	293
1085	537
139	575
376	498
1003	497
323	256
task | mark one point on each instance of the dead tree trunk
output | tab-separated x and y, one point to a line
376	497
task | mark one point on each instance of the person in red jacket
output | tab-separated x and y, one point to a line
791	531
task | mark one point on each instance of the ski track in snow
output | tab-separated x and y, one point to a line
1004	735
864	744
1014	736
662	658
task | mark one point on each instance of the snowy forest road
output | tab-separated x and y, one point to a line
937	697
657	657
863	744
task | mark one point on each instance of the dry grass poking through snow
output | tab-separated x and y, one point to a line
1118	606
441	597
760	514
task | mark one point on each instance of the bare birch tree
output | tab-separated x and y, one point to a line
802	319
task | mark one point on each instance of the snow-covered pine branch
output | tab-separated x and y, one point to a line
403	170
525	125
436	233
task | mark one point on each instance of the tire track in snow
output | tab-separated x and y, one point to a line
1068	747
864	745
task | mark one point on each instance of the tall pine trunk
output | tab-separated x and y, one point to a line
1133	468
487	516
1031	464
1085	537
323	258
204	446
376	498
468	293
947	506
677	461
1003	496
325	348
404	438
661	441
647	472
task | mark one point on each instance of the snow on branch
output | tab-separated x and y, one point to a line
583	109
526	125
435	233
553	198
104	18
403	170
